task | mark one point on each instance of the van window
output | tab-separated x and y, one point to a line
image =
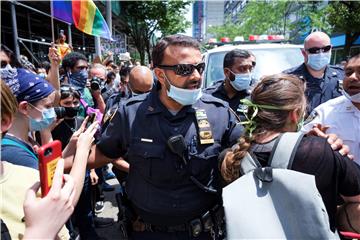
268	61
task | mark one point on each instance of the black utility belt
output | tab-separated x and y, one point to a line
210	221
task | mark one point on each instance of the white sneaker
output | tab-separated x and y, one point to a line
99	207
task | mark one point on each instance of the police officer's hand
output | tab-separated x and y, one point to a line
335	142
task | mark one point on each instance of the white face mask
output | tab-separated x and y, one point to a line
354	98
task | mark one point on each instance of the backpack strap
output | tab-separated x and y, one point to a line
10	142
248	164
284	150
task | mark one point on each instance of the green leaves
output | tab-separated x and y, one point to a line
143	18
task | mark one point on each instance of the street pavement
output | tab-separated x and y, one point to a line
110	211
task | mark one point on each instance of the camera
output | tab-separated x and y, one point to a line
95	83
62	112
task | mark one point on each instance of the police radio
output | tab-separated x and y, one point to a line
177	146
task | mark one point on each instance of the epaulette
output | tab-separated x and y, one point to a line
294	70
135	99
214	86
211	99
336	67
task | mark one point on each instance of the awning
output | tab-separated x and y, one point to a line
339	41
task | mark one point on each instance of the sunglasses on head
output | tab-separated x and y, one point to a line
184	69
315	50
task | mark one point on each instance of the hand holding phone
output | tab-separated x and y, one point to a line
49	155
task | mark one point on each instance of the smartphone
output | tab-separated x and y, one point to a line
92	118
49	154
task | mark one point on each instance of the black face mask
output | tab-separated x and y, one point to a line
71	112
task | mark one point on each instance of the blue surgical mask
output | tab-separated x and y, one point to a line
184	96
78	79
241	81
48	117
319	61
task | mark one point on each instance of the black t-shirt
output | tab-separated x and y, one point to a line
334	174
65	130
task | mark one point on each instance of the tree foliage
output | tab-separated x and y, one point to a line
344	16
145	18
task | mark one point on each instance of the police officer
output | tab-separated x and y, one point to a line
323	81
342	114
171	138
140	81
238	65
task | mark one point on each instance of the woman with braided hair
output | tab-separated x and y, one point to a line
277	105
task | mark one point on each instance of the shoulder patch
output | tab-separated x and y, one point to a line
213	87
311	117
110	114
136	99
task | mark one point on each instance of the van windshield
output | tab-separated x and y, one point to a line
268	61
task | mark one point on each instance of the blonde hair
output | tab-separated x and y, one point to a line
9	104
283	91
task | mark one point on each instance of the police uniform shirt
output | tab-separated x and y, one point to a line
318	90
218	90
158	184
343	118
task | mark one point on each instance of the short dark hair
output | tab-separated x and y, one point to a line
71	59
236	53
172	40
354	57
111	74
125	70
14	61
68	92
46	65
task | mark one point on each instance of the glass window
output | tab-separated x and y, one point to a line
268	61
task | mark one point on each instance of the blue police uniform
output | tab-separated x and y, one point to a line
218	90
158	184
320	90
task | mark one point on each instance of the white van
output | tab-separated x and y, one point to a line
271	58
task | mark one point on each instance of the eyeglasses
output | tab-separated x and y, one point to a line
315	50
184	69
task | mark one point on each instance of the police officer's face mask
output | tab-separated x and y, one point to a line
183	96
240	81
319	60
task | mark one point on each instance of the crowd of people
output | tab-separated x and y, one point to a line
173	145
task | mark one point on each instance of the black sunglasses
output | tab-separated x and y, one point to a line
315	50
184	69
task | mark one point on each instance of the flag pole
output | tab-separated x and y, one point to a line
52	21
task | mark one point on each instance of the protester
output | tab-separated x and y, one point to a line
53	211
278	105
322	79
35	113
62	47
342	114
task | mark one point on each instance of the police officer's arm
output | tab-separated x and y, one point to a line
112	143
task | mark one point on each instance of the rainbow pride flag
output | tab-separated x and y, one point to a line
84	15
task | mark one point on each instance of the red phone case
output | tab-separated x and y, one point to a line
47	164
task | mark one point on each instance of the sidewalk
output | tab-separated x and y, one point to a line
110	211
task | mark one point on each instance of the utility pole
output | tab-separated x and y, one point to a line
14	26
